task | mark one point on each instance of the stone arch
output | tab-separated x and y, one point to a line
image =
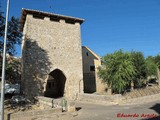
55	84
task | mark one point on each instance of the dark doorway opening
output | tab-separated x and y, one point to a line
89	80
55	84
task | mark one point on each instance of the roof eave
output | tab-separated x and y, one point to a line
45	14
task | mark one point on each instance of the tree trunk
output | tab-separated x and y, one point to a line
109	91
132	85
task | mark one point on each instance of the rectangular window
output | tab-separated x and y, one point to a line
87	54
92	68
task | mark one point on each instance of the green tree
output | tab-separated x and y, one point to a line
141	69
13	38
118	70
14	35
151	66
1	27
157	61
13	69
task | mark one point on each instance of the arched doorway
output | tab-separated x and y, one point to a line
55	84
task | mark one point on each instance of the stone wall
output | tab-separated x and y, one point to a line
48	45
92	82
100	99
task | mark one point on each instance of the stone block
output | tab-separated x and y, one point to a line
71	106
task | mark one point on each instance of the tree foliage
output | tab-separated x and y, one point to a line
1	24
13	69
118	70
121	69
154	66
141	69
13	38
151	66
14	35
157	60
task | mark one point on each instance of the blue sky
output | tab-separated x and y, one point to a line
109	25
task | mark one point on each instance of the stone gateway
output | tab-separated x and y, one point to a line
51	55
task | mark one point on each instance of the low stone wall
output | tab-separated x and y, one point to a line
49	102
140	96
106	99
64	104
141	100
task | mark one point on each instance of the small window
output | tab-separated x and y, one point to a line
92	68
87	54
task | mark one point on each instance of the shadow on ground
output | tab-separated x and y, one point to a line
78	108
156	108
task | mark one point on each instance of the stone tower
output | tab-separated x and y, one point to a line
51	55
